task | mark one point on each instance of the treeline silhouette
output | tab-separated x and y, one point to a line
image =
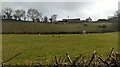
35	16
22	15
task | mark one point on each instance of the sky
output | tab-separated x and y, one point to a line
96	9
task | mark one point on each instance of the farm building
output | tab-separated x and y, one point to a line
89	19
71	20
102	20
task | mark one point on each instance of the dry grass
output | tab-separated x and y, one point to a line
96	60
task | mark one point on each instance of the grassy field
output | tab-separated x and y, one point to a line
18	26
43	48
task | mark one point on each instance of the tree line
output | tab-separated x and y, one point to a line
36	16
23	15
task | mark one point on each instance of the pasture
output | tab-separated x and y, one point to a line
38	27
43	48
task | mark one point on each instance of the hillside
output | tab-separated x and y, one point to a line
11	26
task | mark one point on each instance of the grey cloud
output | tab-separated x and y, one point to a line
48	0
63	9
49	8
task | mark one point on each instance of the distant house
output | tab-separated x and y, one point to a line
89	19
83	21
71	20
102	20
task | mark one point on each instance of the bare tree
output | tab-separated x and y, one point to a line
117	13
51	20
40	17
54	17
115	18
8	12
3	14
19	14
45	19
33	14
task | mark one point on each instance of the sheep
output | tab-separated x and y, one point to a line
84	32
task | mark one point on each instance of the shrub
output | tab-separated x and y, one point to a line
102	26
96	60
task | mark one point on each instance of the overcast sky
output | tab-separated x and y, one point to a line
63	8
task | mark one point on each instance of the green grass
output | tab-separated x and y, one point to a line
36	47
17	26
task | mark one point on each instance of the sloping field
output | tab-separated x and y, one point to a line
37	27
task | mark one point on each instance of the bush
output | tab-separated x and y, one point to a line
96	60
102	26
